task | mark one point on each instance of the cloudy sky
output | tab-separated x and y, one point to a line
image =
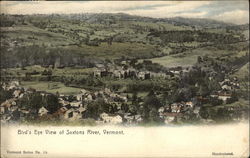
228	11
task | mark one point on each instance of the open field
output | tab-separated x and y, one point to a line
242	72
116	50
51	87
189	57
240	103
172	61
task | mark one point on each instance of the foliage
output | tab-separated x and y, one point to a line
4	94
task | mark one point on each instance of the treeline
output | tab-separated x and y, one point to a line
198	36
41	55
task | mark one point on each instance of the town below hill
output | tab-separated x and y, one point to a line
122	69
175	96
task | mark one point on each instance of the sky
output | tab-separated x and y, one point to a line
236	12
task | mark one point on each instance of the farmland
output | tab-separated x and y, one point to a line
51	87
138	69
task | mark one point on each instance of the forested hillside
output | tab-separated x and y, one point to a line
87	39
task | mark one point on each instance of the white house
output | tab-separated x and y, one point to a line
224	97
72	114
116	119
226	87
169	119
138	118
42	111
190	104
76	104
16	93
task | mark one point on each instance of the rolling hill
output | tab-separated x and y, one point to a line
82	39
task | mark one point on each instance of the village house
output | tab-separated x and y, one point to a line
161	109
190	104
226	87
138	118
90	97
112	119
160	75
143	75
76	104
175	108
79	97
12	85
129	118
101	72
17	93
42	111
8	106
197	110
72	114
5	118
224	96
63	102
214	94
227	84
171	117
23	113
118	74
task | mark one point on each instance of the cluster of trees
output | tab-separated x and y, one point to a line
191	36
222	114
5	94
149	110
6	21
149	66
82	81
95	108
35	101
42	55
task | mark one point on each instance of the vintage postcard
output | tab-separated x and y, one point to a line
124	79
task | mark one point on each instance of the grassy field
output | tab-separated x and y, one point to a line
173	61
189	57
51	87
67	71
240	103
242	72
29	35
246	33
116	50
67	36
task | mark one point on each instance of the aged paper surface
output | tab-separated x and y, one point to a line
124	79
187	141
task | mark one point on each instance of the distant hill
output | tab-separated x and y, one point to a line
179	21
198	22
84	39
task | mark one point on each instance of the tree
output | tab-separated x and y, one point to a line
199	59
33	102
110	40
204	113
52	103
134	108
213	85
124	107
93	110
134	97
151	104
4	95
223	114
153	115
234	98
203	90
215	101
133	62
152	101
